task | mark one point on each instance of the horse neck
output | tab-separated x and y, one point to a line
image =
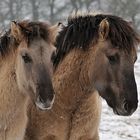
71	81
9	94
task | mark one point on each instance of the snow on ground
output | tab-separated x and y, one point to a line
115	127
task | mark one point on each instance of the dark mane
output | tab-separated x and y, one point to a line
6	41
81	31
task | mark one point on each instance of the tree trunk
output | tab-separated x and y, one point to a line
11	12
51	4
35	13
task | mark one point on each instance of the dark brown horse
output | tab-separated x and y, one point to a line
95	57
25	71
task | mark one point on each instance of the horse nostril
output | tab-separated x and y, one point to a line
41	100
44	105
126	106
129	106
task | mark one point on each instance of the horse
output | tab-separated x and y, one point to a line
26	67
95	58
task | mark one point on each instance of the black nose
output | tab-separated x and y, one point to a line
45	97
45	92
44	105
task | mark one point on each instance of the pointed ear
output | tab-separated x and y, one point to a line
16	31
103	29
54	31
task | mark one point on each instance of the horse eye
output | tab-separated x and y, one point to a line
113	59
53	56
26	58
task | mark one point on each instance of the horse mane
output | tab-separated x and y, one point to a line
82	30
34	30
30	30
6	41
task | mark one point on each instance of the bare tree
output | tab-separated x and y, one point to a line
84	4
99	4
55	10
51	4
9	10
35	7
127	9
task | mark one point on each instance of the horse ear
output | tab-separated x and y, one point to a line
103	29
16	31
131	23
54	31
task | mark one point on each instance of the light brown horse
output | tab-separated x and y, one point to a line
95	57
25	71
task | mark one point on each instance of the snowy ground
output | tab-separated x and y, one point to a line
114	127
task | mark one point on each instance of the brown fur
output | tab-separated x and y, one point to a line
12	103
15	79
71	109
84	66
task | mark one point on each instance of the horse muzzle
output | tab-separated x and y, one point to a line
44	105
127	108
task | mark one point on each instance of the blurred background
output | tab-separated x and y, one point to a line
112	127
58	10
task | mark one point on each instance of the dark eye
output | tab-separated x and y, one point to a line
26	58
53	56
113	59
